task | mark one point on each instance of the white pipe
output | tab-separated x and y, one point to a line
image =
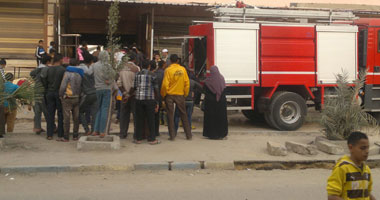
59	26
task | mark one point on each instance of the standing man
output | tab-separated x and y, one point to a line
165	57
69	92
103	85
10	108
51	79
40	51
127	78
3	63
146	103
88	102
175	88
40	106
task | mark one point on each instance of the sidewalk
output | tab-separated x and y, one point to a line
246	142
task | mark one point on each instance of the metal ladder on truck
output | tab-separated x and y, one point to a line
255	14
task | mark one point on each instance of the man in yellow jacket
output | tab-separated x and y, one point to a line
351	177
175	88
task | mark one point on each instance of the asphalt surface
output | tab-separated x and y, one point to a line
184	185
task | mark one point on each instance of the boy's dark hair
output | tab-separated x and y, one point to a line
153	65
40	41
88	58
45	59
173	58
145	64
3	62
98	48
52	43
9	76
355	137
73	62
84	43
161	64
57	57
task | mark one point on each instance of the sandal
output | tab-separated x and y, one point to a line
137	141
102	135
49	138
60	140
95	134
155	142
88	133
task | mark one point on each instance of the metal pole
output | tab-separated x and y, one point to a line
59	25
152	36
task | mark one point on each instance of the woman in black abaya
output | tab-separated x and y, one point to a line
215	124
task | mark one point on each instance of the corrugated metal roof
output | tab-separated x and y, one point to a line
161	2
265	3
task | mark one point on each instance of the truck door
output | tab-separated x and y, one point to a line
376	66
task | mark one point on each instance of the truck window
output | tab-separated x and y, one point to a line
363	40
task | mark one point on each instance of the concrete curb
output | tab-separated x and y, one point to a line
185	165
152	166
193	165
70	168
220	165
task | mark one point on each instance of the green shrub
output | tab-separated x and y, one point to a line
342	113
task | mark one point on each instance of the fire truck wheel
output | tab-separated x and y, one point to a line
253	115
288	110
270	121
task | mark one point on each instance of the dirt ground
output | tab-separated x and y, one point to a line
246	141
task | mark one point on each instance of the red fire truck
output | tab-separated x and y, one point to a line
274	70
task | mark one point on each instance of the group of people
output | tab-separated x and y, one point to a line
86	91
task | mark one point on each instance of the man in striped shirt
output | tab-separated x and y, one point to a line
146	88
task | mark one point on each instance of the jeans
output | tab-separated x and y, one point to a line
88	105
180	103
104	103
125	116
70	105
39	108
189	111
54	104
145	110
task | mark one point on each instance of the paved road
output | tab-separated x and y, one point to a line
203	184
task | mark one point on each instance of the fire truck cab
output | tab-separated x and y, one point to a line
277	70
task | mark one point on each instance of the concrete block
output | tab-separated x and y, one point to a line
374	150
276	149
300	148
329	148
341	143
313	150
185	165
152	166
220	165
109	142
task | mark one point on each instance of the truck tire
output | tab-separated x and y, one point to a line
287	111
253	115
270	121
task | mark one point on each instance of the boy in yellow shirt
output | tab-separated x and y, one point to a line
351	177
